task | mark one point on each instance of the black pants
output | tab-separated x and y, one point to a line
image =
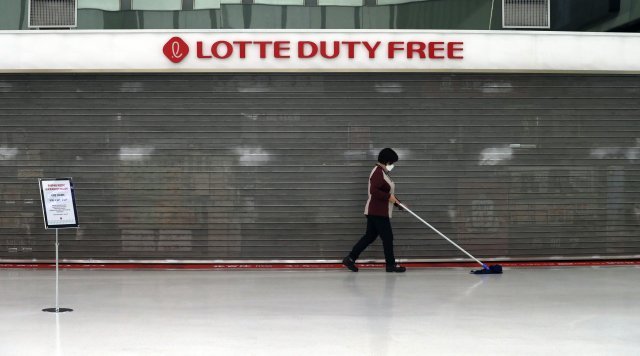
376	225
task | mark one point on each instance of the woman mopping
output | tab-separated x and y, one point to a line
378	211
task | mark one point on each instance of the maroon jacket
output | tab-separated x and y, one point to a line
380	189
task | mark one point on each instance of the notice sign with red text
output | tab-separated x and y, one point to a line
58	203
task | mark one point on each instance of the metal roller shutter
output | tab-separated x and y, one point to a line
274	166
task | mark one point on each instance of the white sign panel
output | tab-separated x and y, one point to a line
317	51
58	203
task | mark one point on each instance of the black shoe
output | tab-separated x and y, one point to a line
396	268
350	264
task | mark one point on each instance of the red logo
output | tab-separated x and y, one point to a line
175	49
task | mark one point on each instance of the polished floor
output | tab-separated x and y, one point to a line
526	311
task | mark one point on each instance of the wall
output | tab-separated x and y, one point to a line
274	166
294	14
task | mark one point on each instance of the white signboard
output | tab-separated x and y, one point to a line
58	203
318	51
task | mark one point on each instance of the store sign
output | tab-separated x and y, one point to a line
317	51
176	49
58	203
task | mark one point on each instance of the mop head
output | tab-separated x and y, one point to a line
493	269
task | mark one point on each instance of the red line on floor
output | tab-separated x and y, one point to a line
206	266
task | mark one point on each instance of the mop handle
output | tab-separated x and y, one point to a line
441	234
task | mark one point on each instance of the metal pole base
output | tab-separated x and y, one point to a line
57	310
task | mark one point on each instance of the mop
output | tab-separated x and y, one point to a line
493	269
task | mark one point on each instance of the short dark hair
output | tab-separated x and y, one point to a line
387	155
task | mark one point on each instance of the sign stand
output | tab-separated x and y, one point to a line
59	209
57	309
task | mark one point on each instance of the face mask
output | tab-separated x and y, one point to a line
389	167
